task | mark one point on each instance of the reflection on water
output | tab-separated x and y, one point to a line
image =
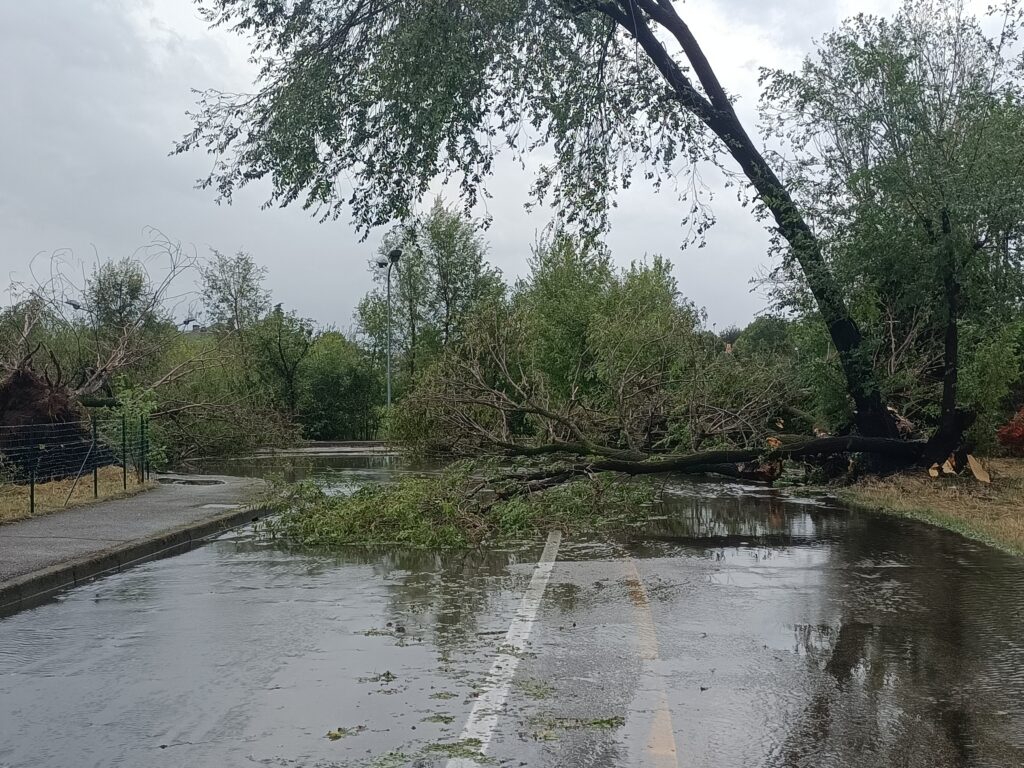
790	634
915	655
328	468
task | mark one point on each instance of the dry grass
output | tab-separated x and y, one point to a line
50	497
990	513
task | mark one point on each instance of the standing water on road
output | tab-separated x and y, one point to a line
740	628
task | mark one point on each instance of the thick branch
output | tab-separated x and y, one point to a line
708	461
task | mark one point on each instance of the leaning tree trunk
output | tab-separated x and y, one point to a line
715	110
872	416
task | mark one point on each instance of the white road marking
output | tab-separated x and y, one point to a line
483	718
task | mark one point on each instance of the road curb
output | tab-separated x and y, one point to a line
39	586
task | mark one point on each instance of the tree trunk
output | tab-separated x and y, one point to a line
748	464
872	418
715	110
953	421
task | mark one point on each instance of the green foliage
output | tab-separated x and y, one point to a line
730	333
450	510
906	138
648	353
993	368
815	370
214	408
252	379
280	343
765	336
119	295
340	391
232	291
441	277
556	305
583	354
365	105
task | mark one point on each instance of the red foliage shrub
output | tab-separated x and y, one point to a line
1011	434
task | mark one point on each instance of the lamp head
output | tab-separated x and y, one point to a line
395	255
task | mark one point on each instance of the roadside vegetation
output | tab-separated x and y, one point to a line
896	204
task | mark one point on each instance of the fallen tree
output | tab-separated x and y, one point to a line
627	382
746	463
44	433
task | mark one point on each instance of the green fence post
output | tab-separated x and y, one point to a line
140	468
95	465
145	450
32	491
124	450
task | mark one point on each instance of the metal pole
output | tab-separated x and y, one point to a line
145	446
141	468
389	334
32	491
95	466
124	449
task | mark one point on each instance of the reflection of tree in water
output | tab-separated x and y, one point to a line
326	468
767	520
449	592
912	669
445	590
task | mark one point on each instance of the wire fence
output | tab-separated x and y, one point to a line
47	467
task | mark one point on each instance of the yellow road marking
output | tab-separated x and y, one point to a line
661	740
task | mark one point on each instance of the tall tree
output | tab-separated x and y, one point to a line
366	102
119	295
441	275
455	254
282	341
339	392
233	292
907	140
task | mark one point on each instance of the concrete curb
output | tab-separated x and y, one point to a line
39	586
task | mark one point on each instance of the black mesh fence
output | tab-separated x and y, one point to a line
46	467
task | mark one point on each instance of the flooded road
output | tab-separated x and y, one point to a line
742	628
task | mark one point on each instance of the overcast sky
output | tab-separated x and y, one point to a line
93	94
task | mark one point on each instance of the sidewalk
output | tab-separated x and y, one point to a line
43	555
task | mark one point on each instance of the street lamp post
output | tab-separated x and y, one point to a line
78	307
389	262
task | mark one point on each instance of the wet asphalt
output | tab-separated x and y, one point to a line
741	628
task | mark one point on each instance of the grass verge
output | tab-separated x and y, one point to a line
51	497
456	509
992	513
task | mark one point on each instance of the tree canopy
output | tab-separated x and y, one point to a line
232	290
905	137
362	104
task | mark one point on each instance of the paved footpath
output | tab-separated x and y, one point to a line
42	555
